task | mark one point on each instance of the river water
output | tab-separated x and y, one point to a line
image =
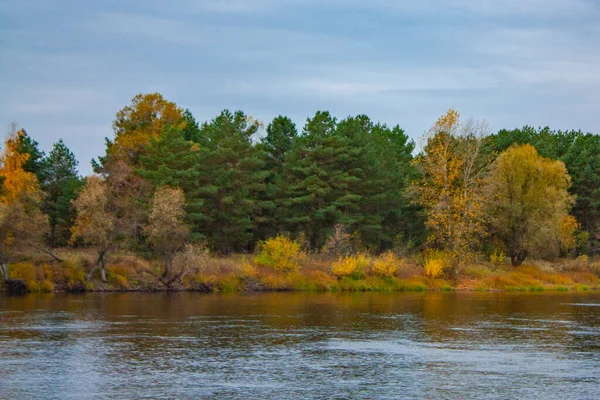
296	345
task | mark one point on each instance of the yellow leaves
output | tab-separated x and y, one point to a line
18	183
280	253
94	223
350	265
568	226
448	122
387	265
450	189
145	118
529	202
436	262
166	219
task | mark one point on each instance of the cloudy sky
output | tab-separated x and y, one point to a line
67	66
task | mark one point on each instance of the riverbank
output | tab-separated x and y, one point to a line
239	273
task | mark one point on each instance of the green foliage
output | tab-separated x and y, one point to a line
35	161
351	173
234	179
60	185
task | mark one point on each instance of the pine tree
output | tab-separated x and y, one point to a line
26	145
235	177
60	185
171	160
280	139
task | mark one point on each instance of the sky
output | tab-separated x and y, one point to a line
67	66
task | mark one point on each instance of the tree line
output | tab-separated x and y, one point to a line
165	179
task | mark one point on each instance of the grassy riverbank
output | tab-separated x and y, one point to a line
237	273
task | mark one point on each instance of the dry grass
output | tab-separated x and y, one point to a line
238	272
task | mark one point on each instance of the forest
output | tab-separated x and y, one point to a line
337	204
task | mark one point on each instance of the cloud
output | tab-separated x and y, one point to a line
68	66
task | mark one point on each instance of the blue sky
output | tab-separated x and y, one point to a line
67	66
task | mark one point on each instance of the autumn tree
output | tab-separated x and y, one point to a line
166	228
452	167
22	224
134	125
96	223
528	202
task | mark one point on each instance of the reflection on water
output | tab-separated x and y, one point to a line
187	345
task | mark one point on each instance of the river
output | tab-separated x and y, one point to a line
299	345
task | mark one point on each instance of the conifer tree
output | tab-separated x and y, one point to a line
60	186
171	160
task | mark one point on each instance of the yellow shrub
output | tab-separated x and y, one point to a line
280	253
248	270
350	265
46	286
387	265
497	258
436	262
23	271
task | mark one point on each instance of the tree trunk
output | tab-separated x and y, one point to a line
4	272
99	264
102	270
517	258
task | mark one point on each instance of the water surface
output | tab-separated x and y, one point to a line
296	345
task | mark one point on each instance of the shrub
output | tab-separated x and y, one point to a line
248	270
118	281
497	258
435	262
40	287
280	253
23	271
339	243
46	286
387	265
350	266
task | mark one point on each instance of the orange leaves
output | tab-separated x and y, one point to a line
17	182
145	118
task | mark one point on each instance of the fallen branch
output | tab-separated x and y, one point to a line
48	252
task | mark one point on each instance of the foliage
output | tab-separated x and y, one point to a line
95	223
60	185
387	265
166	228
353	265
280	253
232	184
450	190
339	243
436	263
22	224
135	124
497	258
528	201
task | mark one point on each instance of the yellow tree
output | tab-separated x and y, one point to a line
135	124
95	223
166	228
22	224
529	203
452	167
